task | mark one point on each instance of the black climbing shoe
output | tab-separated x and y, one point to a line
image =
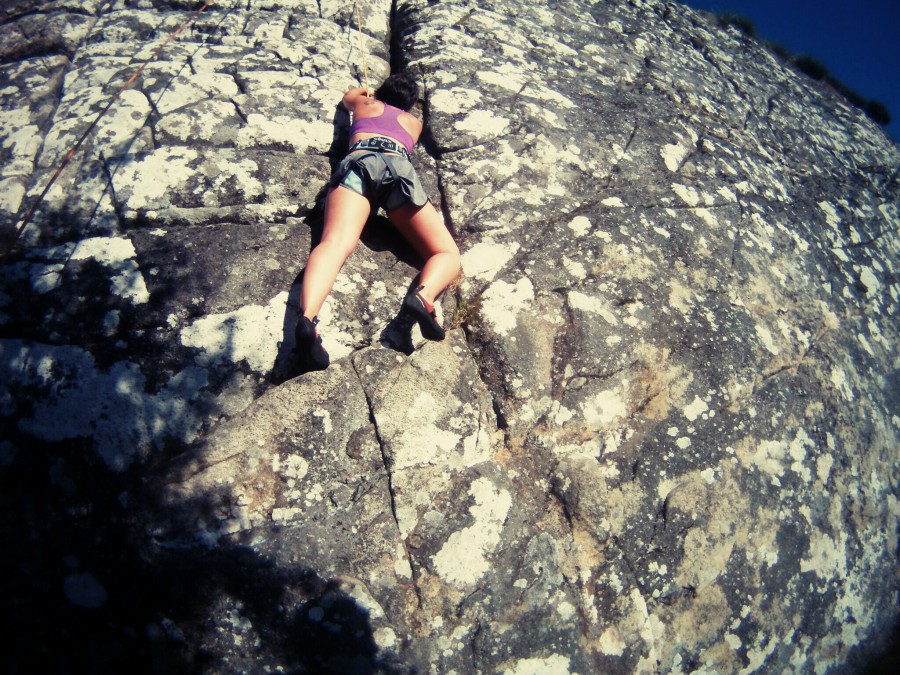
423	312
309	345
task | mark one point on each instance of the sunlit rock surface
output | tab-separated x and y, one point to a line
661	435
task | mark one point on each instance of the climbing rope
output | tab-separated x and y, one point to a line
362	50
71	153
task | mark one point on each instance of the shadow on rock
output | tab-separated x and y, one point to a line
90	586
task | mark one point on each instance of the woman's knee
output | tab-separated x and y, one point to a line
337	247
451	250
450	258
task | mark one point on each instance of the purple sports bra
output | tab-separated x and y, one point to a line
385	124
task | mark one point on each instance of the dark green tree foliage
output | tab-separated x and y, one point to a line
778	50
812	67
742	23
876	110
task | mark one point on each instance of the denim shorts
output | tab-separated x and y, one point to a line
388	181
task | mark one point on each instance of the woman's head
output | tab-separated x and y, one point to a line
399	90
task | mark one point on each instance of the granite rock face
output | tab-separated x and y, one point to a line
662	433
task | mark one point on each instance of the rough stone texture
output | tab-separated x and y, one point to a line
661	436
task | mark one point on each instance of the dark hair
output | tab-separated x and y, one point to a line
399	90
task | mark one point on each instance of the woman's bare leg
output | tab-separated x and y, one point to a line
425	230
346	213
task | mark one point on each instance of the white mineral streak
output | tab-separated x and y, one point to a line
604	408
839	380
594	304
249	334
151	178
415	438
688	195
505	77
696	408
463	559
579	225
456	98
299	134
673	155
483	124
611	642
556	664
117	253
765	336
502	302
12	191
486	258
20	139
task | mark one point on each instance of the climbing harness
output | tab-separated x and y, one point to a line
362	50
90	128
380	144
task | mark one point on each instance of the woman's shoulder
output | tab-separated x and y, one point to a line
410	119
358	101
368	108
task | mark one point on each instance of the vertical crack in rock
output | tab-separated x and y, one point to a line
396	28
384	457
429	145
118	207
614	168
390	479
557	493
735	244
575	531
562	350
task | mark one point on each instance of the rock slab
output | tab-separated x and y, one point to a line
662	433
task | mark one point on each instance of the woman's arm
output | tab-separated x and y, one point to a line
356	97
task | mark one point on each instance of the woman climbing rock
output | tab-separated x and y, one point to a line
377	173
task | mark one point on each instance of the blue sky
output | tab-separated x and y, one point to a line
858	40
